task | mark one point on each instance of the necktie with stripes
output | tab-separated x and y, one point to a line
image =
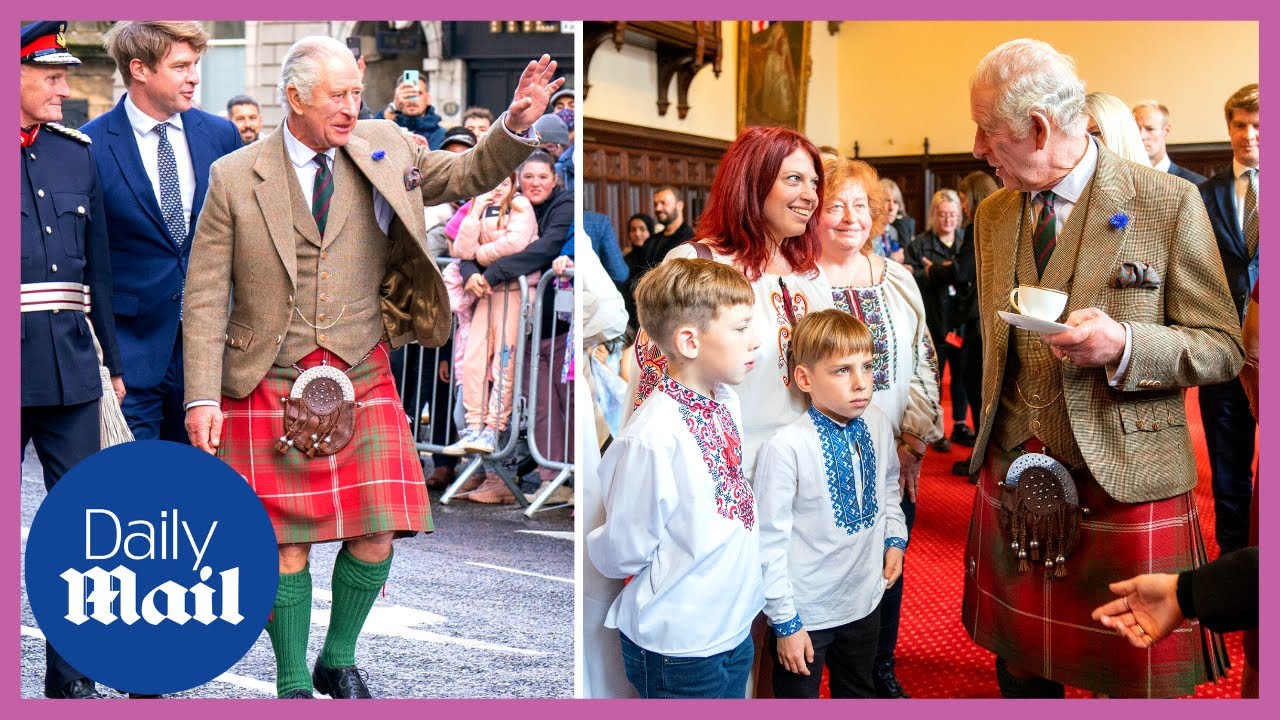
323	192
1046	235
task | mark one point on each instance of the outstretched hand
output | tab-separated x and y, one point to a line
1147	611
533	92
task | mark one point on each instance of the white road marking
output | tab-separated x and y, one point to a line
399	622
32	632
259	686
558	534
522	572
25	532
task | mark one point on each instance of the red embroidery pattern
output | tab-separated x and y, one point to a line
653	365
717	436
788	308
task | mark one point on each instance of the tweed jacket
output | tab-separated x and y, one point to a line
244	268
1134	435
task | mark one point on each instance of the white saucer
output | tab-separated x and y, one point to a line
1033	324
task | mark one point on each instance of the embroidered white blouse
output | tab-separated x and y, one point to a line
906	364
681	518
770	400
829	509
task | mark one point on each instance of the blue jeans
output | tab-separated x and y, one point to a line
654	675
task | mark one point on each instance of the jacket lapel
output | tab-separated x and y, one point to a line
201	147
1225	193
1112	192
387	177
124	148
999	250
274	168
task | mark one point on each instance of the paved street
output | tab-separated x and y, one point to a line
483	607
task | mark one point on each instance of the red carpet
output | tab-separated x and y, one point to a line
936	658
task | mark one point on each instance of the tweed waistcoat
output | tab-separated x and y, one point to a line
336	301
1031	399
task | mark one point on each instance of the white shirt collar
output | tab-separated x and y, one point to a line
1164	164
1071	187
300	154
1237	169
143	123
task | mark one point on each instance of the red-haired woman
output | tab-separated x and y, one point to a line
761	218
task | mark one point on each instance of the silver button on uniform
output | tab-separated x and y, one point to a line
48	230
53	268
80	209
40	193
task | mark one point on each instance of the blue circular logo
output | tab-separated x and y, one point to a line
152	567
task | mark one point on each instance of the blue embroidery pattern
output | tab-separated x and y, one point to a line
870	310
838	458
790	627
717	437
895	542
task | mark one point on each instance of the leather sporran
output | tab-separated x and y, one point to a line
1040	512
319	414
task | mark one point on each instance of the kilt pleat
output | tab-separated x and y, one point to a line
1042	624
373	485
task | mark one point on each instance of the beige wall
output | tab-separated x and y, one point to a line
888	85
917	74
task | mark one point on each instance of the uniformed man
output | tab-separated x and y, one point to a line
65	265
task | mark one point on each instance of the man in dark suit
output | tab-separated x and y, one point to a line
153	153
1153	125
1232	202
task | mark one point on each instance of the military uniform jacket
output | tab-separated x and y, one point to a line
64	240
247	286
1132	436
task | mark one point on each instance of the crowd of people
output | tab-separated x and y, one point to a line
229	269
778	388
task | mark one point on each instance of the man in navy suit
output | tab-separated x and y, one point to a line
1232	202
153	153
1153	125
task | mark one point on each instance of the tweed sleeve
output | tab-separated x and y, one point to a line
1199	342
208	293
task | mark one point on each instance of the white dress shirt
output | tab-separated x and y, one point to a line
144	131
1242	189
1164	164
304	166
829	509
688	535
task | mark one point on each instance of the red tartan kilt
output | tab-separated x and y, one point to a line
1043	625
372	485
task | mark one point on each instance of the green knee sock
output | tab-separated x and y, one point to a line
289	628
355	586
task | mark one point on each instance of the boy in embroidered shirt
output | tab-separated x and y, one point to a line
832	532
679	514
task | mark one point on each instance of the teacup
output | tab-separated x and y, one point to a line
1037	302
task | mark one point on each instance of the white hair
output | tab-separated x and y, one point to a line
302	64
1119	130
1029	75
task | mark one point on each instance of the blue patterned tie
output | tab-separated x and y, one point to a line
170	193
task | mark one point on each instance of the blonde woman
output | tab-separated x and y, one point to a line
1111	121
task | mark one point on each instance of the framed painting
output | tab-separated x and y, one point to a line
773	73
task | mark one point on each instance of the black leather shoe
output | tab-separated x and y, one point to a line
960	468
82	689
962	435
344	683
887	685
298	695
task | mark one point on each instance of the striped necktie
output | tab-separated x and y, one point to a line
323	192
170	193
1046	235
1251	213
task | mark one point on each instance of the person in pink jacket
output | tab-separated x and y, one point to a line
499	223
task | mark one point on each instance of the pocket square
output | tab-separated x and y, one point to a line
412	179
1136	274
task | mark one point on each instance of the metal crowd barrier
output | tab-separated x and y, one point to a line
538	447
522	417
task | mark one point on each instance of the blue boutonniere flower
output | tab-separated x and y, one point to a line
379	154
1119	221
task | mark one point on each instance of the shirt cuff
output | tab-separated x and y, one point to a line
199	403
526	136
1113	378
790	627
892	542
